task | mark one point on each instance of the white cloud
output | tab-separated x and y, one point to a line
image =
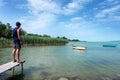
74	23
108	12
74	6
43	14
117	18
41	6
110	0
108	3
78	27
113	2
46	12
42	21
78	23
77	19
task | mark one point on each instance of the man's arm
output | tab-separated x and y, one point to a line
18	33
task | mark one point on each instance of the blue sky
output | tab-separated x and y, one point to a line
90	20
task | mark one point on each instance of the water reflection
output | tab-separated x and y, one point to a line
16	77
80	51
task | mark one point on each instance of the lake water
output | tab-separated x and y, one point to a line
58	62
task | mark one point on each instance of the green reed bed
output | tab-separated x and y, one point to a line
5	42
34	41
37	40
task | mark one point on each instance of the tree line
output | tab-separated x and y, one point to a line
6	31
28	38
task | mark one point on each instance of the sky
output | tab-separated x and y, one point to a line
86	20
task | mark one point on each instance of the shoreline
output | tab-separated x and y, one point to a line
25	45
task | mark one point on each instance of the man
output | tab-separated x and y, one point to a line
17	43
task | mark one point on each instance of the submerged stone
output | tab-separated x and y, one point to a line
62	79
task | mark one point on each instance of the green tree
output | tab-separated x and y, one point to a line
58	37
23	32
64	37
8	31
2	29
46	35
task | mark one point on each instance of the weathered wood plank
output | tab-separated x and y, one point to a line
8	66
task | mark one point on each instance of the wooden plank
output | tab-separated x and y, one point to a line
8	66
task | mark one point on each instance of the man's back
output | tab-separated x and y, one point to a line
15	36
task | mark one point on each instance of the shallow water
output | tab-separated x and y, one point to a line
55	62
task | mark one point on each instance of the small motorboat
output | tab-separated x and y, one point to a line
79	47
109	45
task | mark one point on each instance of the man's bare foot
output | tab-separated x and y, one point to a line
14	60
19	61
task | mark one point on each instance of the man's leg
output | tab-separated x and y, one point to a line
18	47
18	55
13	55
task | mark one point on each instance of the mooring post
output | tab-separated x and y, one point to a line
22	68
13	72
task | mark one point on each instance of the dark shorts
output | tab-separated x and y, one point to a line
17	45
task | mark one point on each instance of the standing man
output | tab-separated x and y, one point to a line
17	43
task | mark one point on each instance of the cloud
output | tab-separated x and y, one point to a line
43	13
78	27
47	12
74	6
78	23
110	0
41	6
46	16
108	12
113	2
77	19
107	3
74	23
117	18
41	22
50	6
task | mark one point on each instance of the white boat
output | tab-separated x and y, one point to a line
79	47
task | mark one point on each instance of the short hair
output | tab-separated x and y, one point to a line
18	23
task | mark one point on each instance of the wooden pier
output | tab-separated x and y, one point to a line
9	66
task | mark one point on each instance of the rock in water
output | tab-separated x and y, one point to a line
62	79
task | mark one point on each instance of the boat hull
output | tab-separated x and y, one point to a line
109	45
79	47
